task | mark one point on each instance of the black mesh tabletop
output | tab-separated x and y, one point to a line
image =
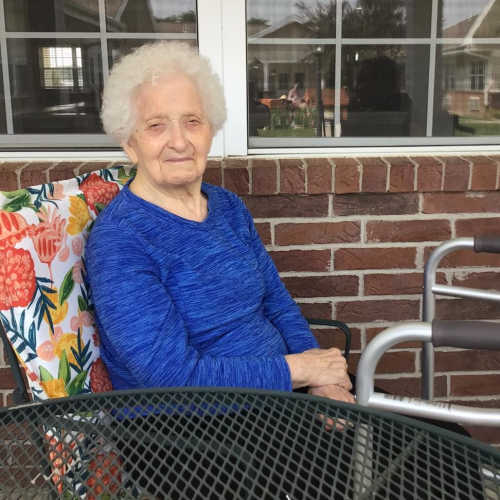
225	444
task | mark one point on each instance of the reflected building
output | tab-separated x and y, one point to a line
470	72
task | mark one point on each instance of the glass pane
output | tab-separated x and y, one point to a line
159	16
467	101
56	85
51	15
119	47
290	19
385	89
283	85
468	18
386	18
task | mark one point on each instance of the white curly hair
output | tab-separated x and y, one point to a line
147	63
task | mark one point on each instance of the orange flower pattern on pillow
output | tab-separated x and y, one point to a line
45	306
13	228
97	191
17	278
48	236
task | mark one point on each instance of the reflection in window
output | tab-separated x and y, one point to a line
51	15
386	18
61	67
472	106
468	19
55	81
174	16
284	85
118	47
477	75
449	77
383	78
387	93
55	85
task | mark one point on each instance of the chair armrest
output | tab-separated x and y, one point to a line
336	324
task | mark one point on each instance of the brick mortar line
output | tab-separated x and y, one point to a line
387	174
356	245
272	229
355	298
250	170
369	273
372	298
387	218
306	175
332	170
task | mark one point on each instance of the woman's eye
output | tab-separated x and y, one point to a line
193	122
155	127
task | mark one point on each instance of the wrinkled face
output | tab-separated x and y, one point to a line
172	136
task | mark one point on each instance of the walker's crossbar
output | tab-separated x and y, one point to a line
414	331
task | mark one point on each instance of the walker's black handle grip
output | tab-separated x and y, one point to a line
466	334
487	243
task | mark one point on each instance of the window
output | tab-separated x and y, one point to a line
297	73
474	104
55	54
363	71
449	78
477	76
61	67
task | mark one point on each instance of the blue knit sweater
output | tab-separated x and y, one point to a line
184	303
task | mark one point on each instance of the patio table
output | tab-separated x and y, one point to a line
217	443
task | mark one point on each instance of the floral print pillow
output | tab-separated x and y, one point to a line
45	306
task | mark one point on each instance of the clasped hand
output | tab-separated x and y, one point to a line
317	368
325	372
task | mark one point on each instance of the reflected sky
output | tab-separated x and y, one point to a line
162	9
454	11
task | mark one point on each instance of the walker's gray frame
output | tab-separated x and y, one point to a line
434	333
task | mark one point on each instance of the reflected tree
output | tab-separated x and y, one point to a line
368	19
184	17
374	18
319	20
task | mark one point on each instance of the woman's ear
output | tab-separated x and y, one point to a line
130	150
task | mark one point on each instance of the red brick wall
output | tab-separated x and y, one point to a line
350	237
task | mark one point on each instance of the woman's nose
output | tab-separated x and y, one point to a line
177	137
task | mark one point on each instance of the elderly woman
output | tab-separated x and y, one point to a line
184	291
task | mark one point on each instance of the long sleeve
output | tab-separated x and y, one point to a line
280	308
145	342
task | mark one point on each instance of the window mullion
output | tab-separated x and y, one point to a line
210	45
432	69
5	74
103	39
338	68
235	76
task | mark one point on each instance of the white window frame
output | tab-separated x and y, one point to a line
222	38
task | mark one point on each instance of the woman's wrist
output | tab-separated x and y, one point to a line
297	372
